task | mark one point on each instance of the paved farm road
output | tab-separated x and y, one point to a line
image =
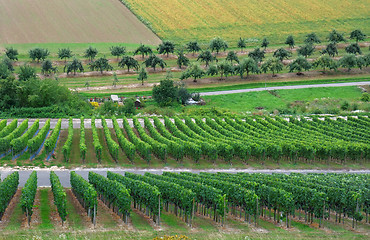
285	87
43	174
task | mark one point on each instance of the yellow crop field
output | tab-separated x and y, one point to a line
183	20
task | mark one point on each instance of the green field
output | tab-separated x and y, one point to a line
186	20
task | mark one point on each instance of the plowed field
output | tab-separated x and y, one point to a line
70	21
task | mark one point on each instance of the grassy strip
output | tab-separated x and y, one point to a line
45	209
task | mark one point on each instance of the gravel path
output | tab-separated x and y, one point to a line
285	87
43	174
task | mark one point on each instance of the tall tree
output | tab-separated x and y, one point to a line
273	64
325	62
242	43
182	60
101	64
348	61
91	53
165	93
299	64
231	56
265	43
64	53
353	48
257	55
194	70
224	68
358	35
129	62
38	54
142	75
290	41
143	50
193	46
306	50
282	54
312	38
74	66
217	44
8	63
212	70
206	57
11	53
336	37
331	49
248	65
117	51
153	61
26	72
166	47
47	67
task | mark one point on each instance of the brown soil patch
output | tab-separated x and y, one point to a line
10	209
71	21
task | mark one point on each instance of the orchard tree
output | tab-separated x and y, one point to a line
193	46
212	70
166	47
353	48
74	66
273	65
257	55
312	38
348	61
38	54
242	43
325	62
47	67
129	62
299	64
115	80
217	44
153	61
117	51
142	75
248	65
225	68
282	54
101	65
336	37
143	50
231	56
363	61
206	57
194	71
182	60
26	73
290	41
306	50
91	53
358	35
265	43
11	53
64	53
331	49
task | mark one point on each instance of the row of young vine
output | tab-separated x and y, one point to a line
60	196
8	188
28	196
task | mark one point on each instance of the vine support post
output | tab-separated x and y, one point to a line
255	215
159	210
94	218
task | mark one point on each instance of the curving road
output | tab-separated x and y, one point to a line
285	87
43	174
